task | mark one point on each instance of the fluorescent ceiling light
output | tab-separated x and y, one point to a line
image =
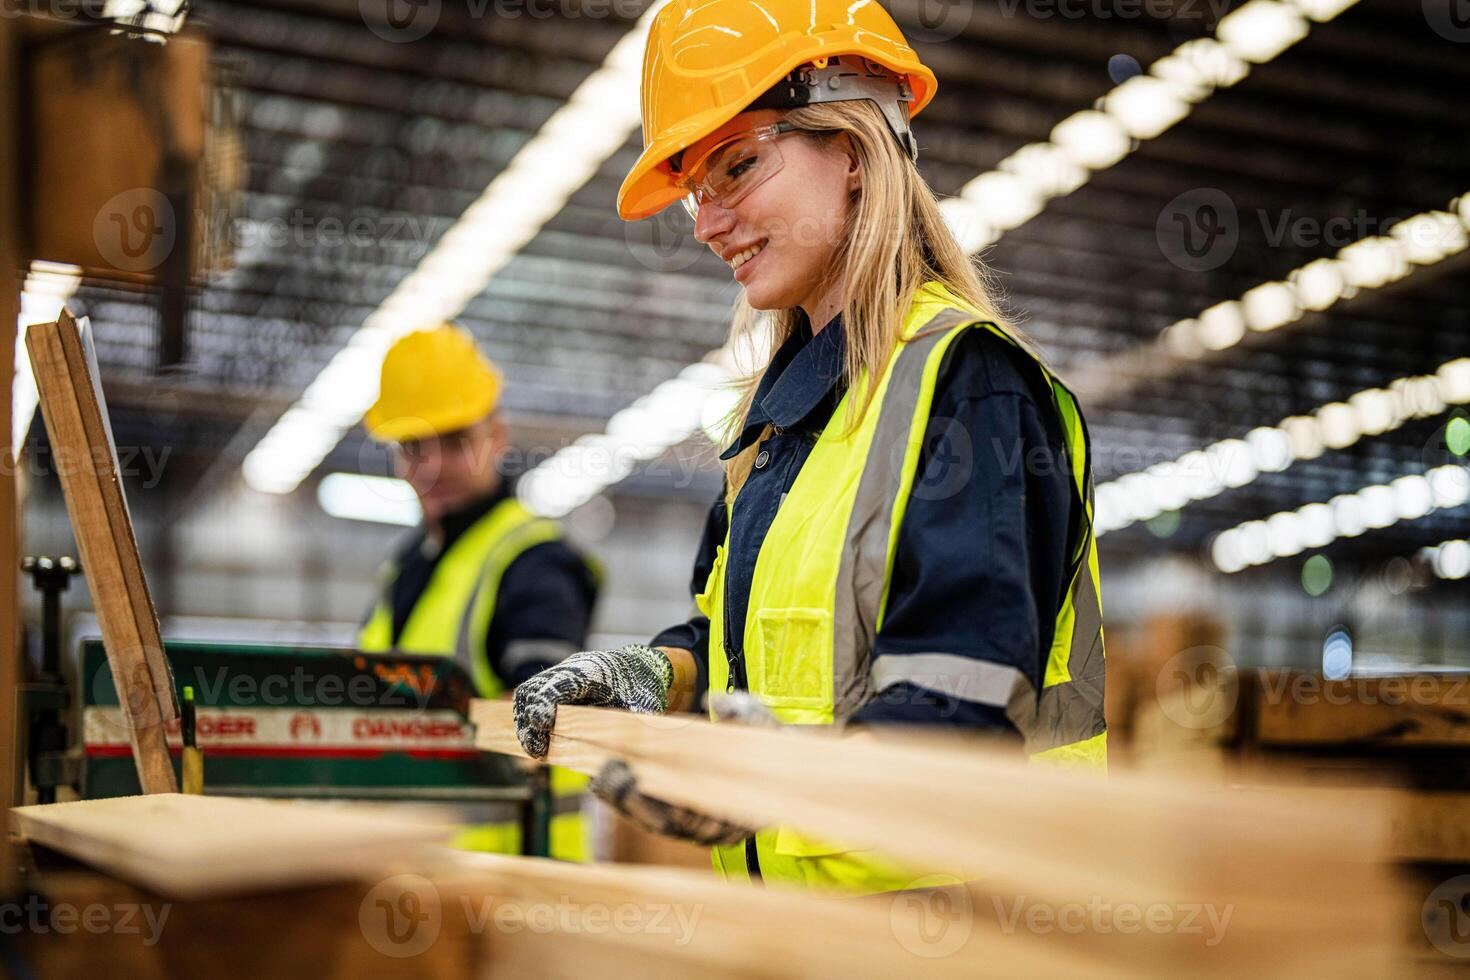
1369	263
569	148
47	288
380	499
1373	507
1202	474
1141	108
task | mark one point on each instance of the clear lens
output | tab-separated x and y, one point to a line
736	168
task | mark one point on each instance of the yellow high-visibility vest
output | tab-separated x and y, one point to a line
821	582
451	619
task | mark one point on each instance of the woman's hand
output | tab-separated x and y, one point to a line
634	677
616	786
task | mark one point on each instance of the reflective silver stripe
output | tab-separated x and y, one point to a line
561	806
518	652
978	681
1073	710
1063	713
863	569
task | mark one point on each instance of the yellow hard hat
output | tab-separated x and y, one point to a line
708	60
433	382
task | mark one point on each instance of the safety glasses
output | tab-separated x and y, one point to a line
736	167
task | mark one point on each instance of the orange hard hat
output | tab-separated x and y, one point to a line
708	60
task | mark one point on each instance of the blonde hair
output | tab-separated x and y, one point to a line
894	240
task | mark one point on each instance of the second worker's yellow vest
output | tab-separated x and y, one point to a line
821	583
450	619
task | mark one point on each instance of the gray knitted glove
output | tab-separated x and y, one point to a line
634	677
617	786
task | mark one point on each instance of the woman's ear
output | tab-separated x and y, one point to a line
854	167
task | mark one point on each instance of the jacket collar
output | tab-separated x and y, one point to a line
805	371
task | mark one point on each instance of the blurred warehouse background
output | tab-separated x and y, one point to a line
1237	228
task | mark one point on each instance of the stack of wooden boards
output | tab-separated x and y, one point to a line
1078	876
1059	868
1396	744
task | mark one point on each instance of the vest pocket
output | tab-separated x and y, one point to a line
791	666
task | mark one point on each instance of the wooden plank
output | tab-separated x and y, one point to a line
1305	709
312	933
86	463
956	808
183	846
10	265
560	921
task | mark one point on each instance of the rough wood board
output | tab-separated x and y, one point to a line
559	920
1410	710
962	810
310	933
194	846
86	463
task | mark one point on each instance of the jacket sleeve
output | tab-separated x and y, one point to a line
982	551
542	611
693	634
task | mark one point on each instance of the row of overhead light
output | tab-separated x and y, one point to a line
1449	559
1141	108
1348	515
1232	463
1368	263
568	150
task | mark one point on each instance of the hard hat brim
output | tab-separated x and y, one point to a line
404	428
649	187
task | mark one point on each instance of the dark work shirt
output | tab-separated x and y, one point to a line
541	611
982	552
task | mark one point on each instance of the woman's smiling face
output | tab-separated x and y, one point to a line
780	239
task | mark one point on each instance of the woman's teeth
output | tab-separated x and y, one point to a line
745	256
